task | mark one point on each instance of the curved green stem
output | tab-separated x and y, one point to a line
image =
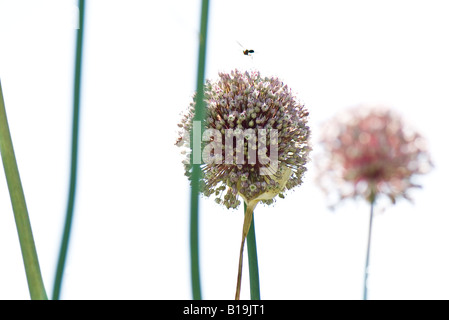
74	158
252	262
248	216
196	171
29	253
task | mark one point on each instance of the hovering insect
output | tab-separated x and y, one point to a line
246	52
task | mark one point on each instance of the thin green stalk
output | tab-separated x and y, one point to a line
74	157
247	222
29	254
365	287
196	170
252	262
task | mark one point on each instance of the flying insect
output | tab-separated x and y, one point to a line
246	52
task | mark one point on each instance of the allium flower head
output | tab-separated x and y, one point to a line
371	152
255	142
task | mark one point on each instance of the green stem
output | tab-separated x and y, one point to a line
194	240
29	254
252	262
196	170
365	287
74	158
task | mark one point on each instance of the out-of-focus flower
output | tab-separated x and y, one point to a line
371	151
255	139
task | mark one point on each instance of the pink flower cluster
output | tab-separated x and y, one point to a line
371	152
248	101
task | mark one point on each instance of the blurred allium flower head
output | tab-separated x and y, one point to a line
371	151
266	127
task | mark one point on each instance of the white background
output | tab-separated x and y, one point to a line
130	232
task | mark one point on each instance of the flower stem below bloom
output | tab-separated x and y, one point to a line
365	290
246	226
252	262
